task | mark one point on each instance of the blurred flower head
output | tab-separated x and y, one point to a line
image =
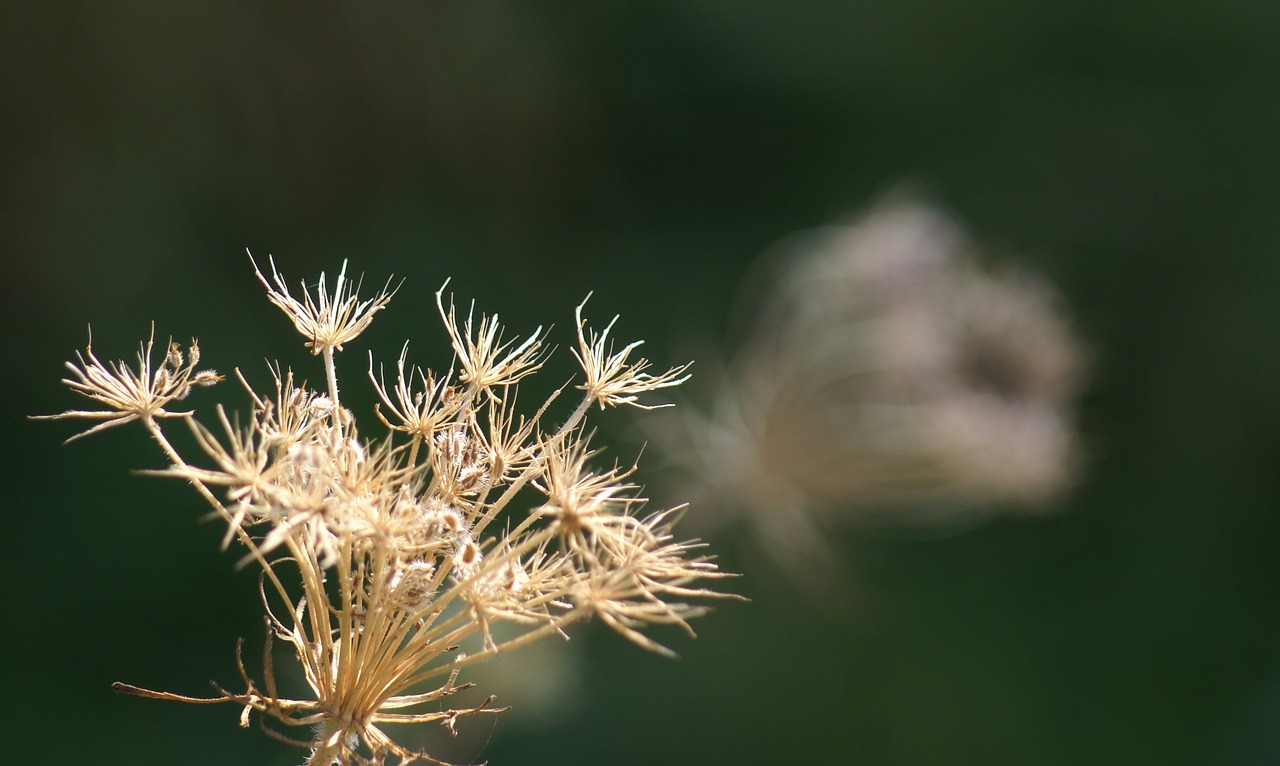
888	377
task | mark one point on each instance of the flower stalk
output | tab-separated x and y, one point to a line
380	567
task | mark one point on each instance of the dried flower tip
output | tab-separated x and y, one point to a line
174	357
505	447
131	393
423	402
630	589
487	360
583	507
611	379
327	321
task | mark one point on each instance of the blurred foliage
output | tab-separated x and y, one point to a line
650	151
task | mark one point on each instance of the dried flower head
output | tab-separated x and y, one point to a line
889	377
130	394
327	321
612	378
381	565
488	360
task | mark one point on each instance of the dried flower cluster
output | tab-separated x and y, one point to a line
380	558
888	377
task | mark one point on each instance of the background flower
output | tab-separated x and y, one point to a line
886	377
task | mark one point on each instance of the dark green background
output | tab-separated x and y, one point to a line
650	151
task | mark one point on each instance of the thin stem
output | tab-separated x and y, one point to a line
331	373
413	450
540	632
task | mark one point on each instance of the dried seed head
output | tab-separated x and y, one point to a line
328	320
612	377
412	585
488	360
466	556
132	393
378	557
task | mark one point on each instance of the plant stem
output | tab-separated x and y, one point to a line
331	373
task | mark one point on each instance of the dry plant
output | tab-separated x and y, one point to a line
381	557
888	377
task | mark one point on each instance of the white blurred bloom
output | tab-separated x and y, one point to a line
890	378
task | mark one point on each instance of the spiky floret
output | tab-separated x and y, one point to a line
134	393
613	378
379	559
326	321
423	401
489	360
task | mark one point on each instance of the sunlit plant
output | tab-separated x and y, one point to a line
382	557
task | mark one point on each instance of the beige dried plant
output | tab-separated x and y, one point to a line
380	558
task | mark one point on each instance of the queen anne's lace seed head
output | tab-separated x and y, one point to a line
380	557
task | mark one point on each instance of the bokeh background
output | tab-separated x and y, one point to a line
650	151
